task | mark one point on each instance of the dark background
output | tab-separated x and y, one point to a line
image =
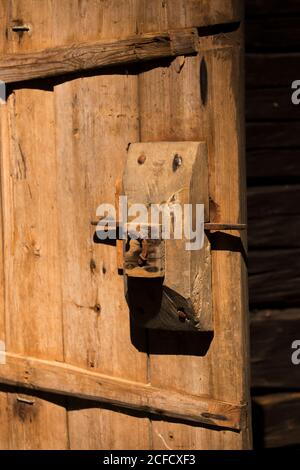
273	166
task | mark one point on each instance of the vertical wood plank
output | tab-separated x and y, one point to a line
96	118
36	422
31	254
175	97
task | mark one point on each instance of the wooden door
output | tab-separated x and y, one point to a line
76	374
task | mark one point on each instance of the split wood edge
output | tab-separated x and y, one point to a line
91	55
64	379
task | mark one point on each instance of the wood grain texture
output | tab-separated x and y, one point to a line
96	118
79	57
175	97
32	311
89	20
158	182
63	379
272	335
86	329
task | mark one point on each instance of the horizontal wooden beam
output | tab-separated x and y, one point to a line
64	379
99	54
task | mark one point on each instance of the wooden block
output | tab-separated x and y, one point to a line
174	173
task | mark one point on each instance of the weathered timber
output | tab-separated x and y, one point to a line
64	379
160	181
91	55
184	115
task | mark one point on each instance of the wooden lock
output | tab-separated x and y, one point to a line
168	285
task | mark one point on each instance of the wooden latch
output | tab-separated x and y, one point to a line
168	283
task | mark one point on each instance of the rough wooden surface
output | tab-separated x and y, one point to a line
30	250
183	116
87	314
159	181
92	55
81	131
63	379
96	118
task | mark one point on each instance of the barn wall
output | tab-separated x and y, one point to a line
273	165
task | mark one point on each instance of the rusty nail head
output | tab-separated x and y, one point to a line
181	315
141	159
177	161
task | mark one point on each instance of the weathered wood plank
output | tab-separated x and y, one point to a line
273	104
273	34
273	216
273	163
273	135
274	276
175	97
277	419
63	379
96	118
87	21
30	416
87	56
31	254
271	70
157	182
272	335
